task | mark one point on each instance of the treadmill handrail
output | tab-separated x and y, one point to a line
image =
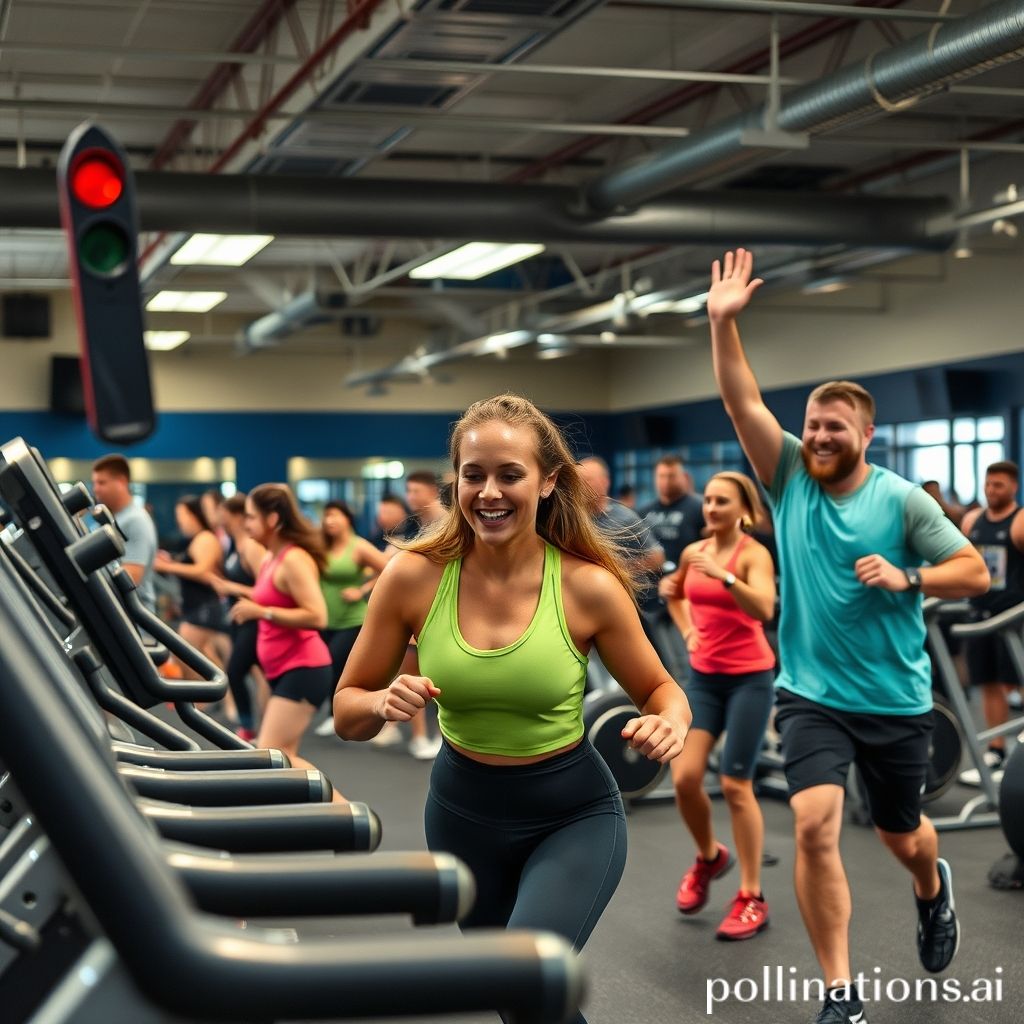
196	966
997	623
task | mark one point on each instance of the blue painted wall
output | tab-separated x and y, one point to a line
262	443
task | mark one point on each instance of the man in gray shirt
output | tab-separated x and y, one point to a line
623	523
110	479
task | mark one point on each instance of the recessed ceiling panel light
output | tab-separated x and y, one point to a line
164	341
220	250
474	260
185	302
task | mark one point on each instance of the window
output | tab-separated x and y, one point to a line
701	461
955	453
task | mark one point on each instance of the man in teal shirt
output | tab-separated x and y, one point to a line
855	684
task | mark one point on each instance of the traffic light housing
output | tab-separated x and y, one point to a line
97	209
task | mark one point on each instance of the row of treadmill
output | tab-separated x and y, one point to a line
134	858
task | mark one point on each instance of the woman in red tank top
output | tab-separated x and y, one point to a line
720	599
288	604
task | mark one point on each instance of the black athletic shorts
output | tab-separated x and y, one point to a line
313	685
988	661
892	752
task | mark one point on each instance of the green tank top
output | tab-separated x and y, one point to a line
519	700
341	572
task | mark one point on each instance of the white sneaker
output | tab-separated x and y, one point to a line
387	737
972	777
424	749
325	728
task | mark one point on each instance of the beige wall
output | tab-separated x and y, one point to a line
976	310
916	318
203	377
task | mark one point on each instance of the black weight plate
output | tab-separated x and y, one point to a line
945	751
634	773
1011	801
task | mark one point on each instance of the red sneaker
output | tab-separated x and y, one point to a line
747	916
245	734
693	889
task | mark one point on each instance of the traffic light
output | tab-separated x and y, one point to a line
97	210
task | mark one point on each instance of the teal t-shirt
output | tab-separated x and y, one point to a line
842	644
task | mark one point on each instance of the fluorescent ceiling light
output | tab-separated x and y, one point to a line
554	346
826	286
475	260
164	341
185	302
220	250
690	304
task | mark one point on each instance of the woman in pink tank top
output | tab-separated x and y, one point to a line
288	605
720	599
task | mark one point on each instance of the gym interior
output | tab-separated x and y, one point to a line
298	173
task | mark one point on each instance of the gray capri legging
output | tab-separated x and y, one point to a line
546	842
741	706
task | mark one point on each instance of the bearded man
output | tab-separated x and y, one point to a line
855	684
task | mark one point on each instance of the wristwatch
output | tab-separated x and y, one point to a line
913	578
729	580
268	615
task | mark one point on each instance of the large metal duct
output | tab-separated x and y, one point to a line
917	68
363	208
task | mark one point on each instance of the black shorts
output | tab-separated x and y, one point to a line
892	752
209	615
988	661
313	685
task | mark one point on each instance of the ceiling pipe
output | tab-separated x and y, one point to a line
788	273
912	70
387	208
798	42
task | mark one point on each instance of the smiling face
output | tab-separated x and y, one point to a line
1000	491
500	481
723	505
835	439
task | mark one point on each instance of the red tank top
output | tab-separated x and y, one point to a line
282	648
728	639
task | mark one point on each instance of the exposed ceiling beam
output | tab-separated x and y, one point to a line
367	208
808	9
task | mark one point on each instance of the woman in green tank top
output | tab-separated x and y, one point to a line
344	581
505	596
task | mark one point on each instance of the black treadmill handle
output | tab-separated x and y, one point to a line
433	888
230	788
213	684
200	760
997	623
287	828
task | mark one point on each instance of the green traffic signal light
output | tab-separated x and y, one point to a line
104	249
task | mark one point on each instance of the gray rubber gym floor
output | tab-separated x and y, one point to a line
646	964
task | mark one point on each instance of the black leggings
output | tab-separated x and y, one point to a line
546	842
242	660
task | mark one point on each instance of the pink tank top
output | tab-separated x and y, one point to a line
282	648
728	639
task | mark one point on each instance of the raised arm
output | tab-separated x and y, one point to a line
758	430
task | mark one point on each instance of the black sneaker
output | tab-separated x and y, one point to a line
938	930
841	1011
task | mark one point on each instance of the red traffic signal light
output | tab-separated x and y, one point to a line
97	179
97	206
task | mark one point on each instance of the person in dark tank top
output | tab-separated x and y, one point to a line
203	623
997	531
